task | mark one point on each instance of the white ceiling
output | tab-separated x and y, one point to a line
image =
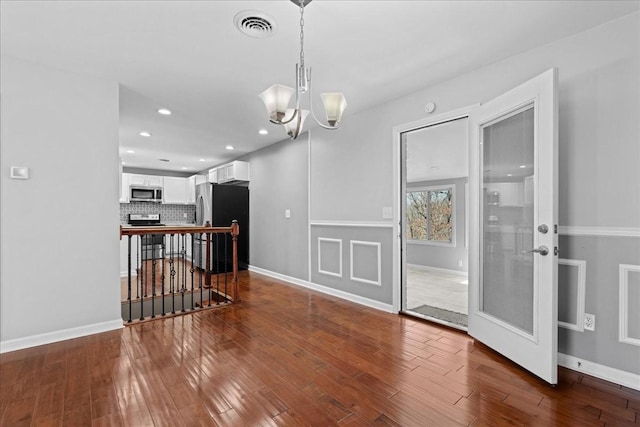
188	56
438	152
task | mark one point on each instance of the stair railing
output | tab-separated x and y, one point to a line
179	269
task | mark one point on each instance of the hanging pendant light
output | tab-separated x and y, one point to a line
276	99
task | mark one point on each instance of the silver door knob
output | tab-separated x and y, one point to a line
542	250
543	228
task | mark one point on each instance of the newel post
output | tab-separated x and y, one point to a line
235	231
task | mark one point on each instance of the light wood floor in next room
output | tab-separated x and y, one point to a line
292	357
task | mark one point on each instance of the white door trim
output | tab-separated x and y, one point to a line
397	186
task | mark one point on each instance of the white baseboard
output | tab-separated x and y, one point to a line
55	336
627	379
124	274
326	290
438	269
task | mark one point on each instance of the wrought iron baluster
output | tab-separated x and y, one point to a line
129	276
226	265
201	272
138	271
164	251
153	279
183	276
191	270
143	279
172	280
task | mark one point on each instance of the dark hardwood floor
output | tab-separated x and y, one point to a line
289	356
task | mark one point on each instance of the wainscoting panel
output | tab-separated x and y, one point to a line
330	256
364	262
629	305
612	294
571	290
366	258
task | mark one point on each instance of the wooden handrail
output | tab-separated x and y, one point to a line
135	231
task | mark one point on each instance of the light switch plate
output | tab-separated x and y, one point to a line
287	213
387	213
19	172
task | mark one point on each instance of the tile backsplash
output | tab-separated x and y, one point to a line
169	214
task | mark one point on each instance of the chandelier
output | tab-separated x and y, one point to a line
276	98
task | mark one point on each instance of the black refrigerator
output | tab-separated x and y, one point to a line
229	202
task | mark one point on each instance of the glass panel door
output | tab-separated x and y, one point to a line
513	264
507	219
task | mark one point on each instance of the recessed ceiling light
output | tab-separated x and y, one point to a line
184	168
229	147
509	174
164	112
203	160
523	166
131	152
263	132
145	134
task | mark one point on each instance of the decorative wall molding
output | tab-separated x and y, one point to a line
581	287
55	336
377	245
374	224
330	273
326	290
568	230
623	307
627	379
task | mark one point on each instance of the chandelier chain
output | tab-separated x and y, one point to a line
302	34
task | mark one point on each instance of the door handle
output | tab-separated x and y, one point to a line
542	250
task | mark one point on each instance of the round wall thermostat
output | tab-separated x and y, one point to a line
430	107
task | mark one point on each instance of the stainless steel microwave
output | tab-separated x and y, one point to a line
138	193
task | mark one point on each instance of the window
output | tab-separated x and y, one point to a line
430	215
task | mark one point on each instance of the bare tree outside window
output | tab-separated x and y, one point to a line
430	215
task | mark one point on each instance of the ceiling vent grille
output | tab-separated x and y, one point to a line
256	24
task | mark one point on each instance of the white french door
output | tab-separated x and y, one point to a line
513	239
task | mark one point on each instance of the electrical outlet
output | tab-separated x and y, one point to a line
590	322
184	215
459	263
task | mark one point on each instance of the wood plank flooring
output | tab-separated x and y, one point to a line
287	356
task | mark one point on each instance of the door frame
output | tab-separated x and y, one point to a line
399	246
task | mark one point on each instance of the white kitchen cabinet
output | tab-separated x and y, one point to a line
175	190
237	171
234	171
125	182
213	175
191	190
146	180
508	193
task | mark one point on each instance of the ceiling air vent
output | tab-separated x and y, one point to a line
254	23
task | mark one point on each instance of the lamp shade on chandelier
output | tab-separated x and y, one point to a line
276	99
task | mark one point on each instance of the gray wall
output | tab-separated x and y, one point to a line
443	256
351	169
54	280
279	182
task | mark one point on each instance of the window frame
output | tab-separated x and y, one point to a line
452	188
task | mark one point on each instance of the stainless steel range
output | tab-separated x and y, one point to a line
152	245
